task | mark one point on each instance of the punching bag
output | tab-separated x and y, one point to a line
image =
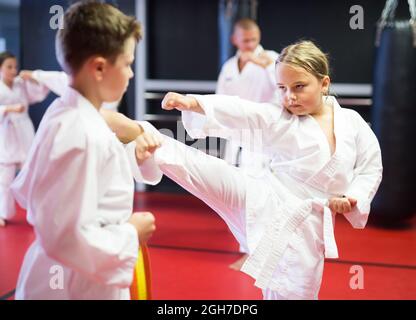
394	115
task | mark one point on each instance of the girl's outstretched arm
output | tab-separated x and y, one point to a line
173	100
254	126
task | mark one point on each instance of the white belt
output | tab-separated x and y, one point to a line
331	250
263	261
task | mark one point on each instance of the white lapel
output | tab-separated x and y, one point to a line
322	179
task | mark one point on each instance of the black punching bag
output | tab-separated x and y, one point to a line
394	115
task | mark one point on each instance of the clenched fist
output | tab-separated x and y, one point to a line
173	100
342	205
26	75
146	145
144	222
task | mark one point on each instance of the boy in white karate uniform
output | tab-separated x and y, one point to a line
77	184
16	128
325	160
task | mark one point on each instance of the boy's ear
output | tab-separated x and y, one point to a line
98	66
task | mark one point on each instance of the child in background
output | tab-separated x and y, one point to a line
16	128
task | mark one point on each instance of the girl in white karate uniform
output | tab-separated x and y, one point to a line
325	160
16	128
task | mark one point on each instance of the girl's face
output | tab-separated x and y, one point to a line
8	70
300	91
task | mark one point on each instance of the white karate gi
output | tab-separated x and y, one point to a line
58	81
281	216
77	186
16	135
253	83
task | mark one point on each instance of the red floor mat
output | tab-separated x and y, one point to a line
374	244
14	239
379	283
196	275
192	249
195	227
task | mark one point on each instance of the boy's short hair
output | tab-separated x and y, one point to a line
93	28
246	24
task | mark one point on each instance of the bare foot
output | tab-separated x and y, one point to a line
2	223
239	263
